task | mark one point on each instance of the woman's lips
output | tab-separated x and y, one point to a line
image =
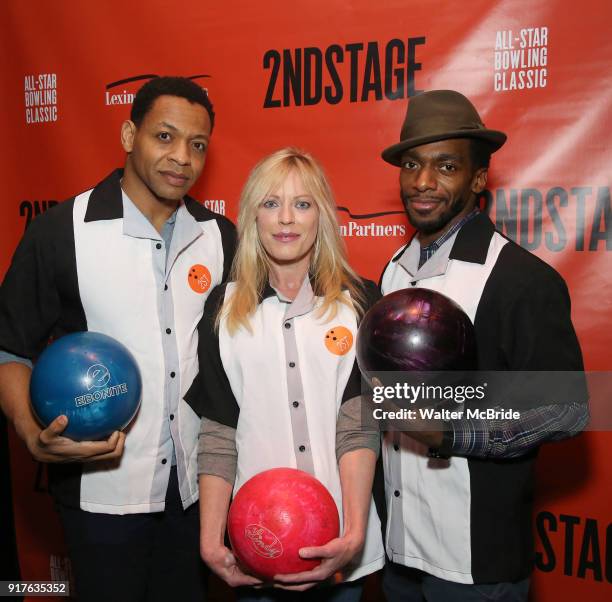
285	236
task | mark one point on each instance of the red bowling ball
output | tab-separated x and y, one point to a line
274	514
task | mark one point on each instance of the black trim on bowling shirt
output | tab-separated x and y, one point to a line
355	384
40	293
473	240
210	394
106	200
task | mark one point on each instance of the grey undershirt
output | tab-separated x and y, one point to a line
217	454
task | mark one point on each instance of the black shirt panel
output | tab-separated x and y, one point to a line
473	240
522	323
371	294
525	304
106	199
502	537
40	294
65	483
210	395
230	240
380	279
39	298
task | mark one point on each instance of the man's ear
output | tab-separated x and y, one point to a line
479	181
128	131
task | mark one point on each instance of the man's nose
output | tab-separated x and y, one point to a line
425	179
180	153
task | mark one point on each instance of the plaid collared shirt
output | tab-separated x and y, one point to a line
428	251
513	438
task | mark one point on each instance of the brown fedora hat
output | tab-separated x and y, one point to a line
439	115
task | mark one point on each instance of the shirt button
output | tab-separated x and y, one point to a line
168	330
165	287
396	447
396	493
164	461
171	416
287	324
172	374
291	364
296	404
302	448
158	245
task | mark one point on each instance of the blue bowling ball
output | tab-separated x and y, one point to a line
92	379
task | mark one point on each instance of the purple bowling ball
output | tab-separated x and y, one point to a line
415	329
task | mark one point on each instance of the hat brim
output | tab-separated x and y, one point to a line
393	154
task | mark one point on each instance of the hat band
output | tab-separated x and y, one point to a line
420	128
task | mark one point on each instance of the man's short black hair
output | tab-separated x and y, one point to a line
480	153
169	86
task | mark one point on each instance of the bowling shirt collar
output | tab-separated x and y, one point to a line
180	230
135	223
470	244
182	227
473	240
302	304
106	199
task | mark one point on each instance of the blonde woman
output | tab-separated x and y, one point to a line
278	383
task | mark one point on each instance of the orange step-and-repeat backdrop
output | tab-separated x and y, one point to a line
333	77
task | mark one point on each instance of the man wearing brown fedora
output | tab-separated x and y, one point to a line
459	492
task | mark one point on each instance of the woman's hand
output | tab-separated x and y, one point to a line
223	563
334	555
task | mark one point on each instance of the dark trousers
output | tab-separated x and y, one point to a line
343	592
137	557
404	584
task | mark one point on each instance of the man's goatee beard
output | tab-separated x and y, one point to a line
430	227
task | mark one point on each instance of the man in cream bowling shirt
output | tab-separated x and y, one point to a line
459	492
134	258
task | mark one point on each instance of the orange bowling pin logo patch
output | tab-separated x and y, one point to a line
199	278
339	340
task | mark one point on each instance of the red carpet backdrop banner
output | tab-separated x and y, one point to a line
333	77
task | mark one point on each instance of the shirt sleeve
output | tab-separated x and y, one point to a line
514	438
538	336
7	358
29	300
217	453
353	429
356	430
210	394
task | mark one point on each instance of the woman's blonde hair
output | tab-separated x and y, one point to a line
329	268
